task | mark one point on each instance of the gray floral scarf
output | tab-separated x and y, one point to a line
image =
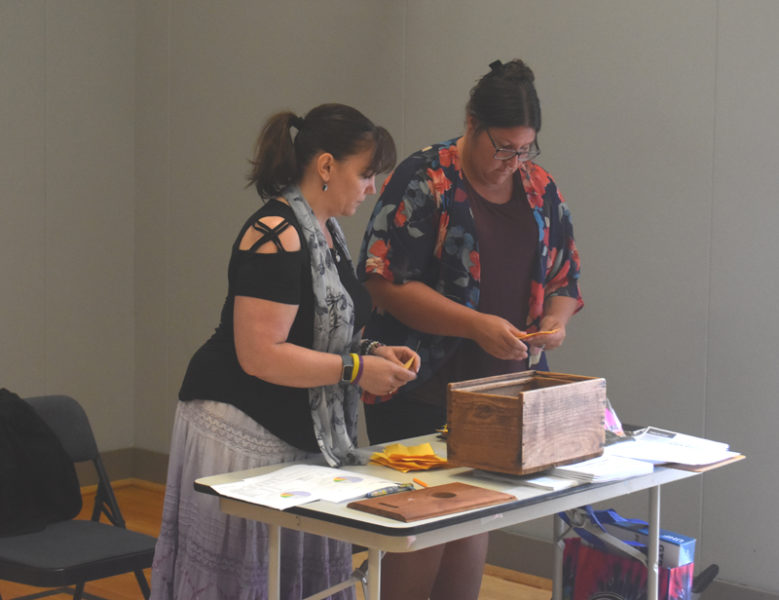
333	407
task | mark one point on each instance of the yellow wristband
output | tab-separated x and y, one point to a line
355	367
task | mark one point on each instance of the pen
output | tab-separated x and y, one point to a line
420	482
390	489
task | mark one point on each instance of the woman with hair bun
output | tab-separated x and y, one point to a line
469	249
280	379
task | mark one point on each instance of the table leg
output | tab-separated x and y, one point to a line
652	569
274	562
558	527
374	574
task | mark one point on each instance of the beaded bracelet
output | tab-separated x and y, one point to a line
369	346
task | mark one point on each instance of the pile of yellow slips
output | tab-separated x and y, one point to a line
408	458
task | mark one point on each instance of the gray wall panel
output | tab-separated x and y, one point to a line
153	390
67	187
23	196
743	379
90	179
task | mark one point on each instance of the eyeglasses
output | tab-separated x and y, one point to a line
508	153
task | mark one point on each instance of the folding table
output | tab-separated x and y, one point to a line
381	534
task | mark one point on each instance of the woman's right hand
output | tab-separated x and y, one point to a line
381	376
499	337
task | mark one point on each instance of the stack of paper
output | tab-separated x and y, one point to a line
408	458
660	446
604	468
544	480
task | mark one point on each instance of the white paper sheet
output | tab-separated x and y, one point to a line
299	484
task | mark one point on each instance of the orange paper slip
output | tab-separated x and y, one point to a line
530	336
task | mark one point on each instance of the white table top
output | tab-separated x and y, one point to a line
339	521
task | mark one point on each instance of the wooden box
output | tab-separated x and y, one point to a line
525	422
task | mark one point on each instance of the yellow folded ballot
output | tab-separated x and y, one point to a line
408	458
530	336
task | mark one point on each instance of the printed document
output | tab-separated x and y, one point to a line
299	484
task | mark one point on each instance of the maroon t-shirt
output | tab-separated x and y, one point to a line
508	238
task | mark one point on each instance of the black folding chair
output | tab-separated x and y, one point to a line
66	554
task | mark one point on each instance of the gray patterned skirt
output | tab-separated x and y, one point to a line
203	554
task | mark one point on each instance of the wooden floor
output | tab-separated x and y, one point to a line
141	505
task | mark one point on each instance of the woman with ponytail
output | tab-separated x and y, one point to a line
470	248
280	379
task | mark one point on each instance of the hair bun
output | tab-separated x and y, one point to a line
514	69
496	66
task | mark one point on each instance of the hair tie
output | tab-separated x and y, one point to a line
496	66
296	122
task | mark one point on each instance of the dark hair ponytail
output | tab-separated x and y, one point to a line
506	97
279	160
274	154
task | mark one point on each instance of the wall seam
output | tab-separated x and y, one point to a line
710	266
134	269
168	189
46	112
404	75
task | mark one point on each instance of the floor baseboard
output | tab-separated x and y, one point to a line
127	463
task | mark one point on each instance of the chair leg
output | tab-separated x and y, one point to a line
58	592
78	591
143	584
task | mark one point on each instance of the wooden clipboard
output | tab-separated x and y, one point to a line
431	502
706	467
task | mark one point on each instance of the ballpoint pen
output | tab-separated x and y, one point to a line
391	489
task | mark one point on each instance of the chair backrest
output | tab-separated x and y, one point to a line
70	424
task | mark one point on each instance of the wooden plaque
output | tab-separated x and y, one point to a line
431	502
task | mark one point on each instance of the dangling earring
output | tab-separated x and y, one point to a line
324	187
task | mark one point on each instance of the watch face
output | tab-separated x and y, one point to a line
348	360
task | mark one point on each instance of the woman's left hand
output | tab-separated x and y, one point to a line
557	311
548	341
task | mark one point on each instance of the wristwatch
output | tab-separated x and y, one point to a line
348	368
